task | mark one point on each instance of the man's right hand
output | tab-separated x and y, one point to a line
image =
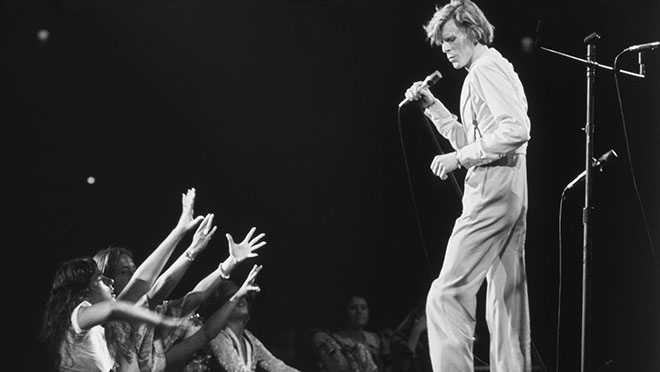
418	91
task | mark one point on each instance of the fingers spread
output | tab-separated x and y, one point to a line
210	234
257	238
254	248
249	234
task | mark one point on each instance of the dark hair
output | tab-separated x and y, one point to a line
70	286
220	296
108	259
307	358
120	335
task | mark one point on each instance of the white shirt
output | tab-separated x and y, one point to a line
89	350
493	113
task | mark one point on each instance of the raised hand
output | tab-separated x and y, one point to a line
246	248
188	221
248	285
202	236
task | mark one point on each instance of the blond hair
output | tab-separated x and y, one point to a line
467	16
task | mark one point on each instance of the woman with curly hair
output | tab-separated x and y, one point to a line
81	301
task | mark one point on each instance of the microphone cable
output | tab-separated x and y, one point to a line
412	194
560	275
438	148
630	163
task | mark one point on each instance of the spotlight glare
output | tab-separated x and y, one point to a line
527	44
43	35
91	180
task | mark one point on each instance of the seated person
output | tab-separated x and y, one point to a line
409	343
236	349
356	317
326	353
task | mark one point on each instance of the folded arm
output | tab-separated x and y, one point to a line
447	124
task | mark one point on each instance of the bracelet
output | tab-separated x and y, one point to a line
189	256
223	275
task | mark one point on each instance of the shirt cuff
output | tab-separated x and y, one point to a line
474	154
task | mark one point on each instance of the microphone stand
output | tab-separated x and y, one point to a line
590	62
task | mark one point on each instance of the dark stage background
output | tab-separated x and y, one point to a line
282	114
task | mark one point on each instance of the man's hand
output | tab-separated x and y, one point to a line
418	91
444	164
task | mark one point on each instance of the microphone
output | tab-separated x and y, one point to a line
599	164
642	47
429	81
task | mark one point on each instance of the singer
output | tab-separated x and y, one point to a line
487	241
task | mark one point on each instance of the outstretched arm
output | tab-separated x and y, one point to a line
237	254
171	277
145	275
180	354
109	310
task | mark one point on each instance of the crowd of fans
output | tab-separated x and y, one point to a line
106	313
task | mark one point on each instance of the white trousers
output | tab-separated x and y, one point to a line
487	242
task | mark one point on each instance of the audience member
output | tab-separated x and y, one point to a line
409	343
152	349
235	348
194	347
385	336
356	318
325	352
80	303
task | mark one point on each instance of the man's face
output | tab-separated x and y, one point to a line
457	45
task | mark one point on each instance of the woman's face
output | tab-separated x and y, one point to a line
328	353
125	271
358	312
323	344
100	289
242	309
